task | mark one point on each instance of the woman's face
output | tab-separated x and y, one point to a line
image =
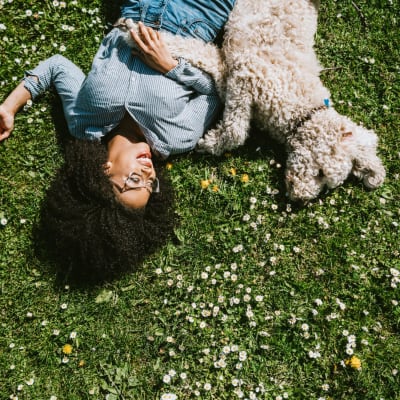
131	171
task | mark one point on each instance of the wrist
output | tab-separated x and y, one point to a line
17	99
170	65
8	108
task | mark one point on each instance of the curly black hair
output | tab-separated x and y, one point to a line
88	232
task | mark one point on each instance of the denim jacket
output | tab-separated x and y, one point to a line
201	19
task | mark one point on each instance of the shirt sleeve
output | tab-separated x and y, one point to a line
56	71
181	134
60	73
190	76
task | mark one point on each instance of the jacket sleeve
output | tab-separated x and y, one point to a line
190	76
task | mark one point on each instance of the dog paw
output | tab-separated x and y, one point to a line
219	140
212	143
201	147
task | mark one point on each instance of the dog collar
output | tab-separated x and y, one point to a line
298	123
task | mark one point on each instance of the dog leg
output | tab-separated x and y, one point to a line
232	131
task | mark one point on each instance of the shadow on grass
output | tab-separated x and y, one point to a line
258	147
111	10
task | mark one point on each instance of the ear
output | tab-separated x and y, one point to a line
302	178
106	167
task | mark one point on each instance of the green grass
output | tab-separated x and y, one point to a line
259	297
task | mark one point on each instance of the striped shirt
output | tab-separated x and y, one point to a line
173	109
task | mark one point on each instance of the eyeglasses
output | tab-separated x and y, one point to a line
134	181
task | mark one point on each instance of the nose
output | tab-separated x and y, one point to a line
147	171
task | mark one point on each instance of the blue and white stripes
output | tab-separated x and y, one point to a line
173	109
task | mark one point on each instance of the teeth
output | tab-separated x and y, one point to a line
145	161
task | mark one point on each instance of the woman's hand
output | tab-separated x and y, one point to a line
152	49
15	100
6	122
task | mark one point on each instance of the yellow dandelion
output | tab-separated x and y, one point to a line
233	171
354	362
215	188
169	166
205	183
244	178
81	363
67	349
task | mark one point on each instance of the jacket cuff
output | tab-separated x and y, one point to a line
177	71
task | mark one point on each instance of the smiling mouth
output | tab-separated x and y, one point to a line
145	159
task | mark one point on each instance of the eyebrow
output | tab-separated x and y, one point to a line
132	188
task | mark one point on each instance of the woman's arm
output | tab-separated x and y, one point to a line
155	53
58	72
16	99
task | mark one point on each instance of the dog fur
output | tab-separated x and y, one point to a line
273	79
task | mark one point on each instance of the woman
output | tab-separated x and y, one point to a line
138	104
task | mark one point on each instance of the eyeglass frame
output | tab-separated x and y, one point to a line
155	185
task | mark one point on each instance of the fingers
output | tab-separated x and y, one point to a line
147	38
4	135
5	130
148	33
138	41
152	50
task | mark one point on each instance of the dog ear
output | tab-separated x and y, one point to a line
302	176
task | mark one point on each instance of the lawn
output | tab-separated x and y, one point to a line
256	298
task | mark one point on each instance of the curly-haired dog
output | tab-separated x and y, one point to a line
273	78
